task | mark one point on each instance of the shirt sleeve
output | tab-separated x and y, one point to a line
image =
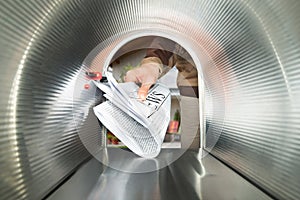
163	55
161	48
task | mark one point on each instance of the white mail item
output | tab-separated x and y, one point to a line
141	126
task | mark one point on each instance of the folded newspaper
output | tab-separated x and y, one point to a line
140	125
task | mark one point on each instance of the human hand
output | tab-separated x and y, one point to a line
146	75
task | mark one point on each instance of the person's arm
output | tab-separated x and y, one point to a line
153	66
146	74
163	55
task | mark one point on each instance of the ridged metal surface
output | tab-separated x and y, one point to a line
249	53
256	117
41	52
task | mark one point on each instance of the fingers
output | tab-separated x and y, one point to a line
143	91
131	76
146	75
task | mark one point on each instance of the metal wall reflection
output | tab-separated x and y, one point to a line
41	52
256	120
249	53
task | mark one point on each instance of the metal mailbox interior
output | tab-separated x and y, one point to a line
249	56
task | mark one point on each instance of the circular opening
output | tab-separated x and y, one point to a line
114	56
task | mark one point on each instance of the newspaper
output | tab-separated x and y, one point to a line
140	125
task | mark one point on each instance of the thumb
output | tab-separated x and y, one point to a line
143	91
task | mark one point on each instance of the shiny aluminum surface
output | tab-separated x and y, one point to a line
247	53
189	177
